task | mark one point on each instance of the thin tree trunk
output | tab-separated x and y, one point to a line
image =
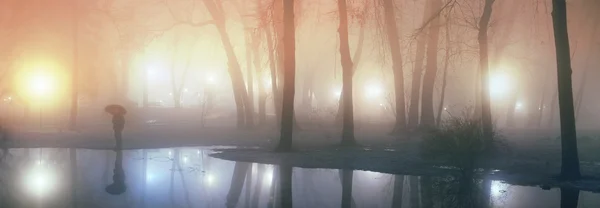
186	193
172	179
431	68
248	187
415	94
569	198
144	177
552	109
237	81
426	192
262	94
570	159
285	173
414	191
356	58
73	174
249	78
289	45
237	183
398	191
75	70
346	60
273	68
341	174
275	187
486	111
394	43
347	176
445	76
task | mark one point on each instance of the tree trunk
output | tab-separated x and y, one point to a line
248	187
570	158
394	43
237	81
414	191
569	198
415	94
289	88
486	110
348	122
552	109
275	187
398	191
262	94
144	177
74	70
73	167
426	192
356	58
273	68
285	186
431	68
237	183
250	79
445	76
347	176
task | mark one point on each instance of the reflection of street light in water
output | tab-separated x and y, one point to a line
268	176
209	179
40	181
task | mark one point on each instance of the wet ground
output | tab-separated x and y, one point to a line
190	177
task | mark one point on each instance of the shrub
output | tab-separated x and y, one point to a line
459	140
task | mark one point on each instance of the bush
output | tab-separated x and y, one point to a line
458	140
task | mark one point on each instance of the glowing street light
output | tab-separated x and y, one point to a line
518	106
373	90
499	83
337	93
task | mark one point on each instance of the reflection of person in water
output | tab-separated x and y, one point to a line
118	186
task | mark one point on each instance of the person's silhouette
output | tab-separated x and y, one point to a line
118	186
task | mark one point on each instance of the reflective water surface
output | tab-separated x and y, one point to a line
188	177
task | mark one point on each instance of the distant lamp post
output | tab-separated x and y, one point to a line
118	186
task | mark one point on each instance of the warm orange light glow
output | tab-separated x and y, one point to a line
41	82
499	83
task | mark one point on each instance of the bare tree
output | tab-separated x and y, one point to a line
215	9
570	159
289	62
486	111
427	117
347	67
394	43
415	94
440	108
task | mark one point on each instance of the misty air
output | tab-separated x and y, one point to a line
299	103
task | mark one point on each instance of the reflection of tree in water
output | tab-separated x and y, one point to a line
461	190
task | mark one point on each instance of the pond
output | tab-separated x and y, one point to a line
189	177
